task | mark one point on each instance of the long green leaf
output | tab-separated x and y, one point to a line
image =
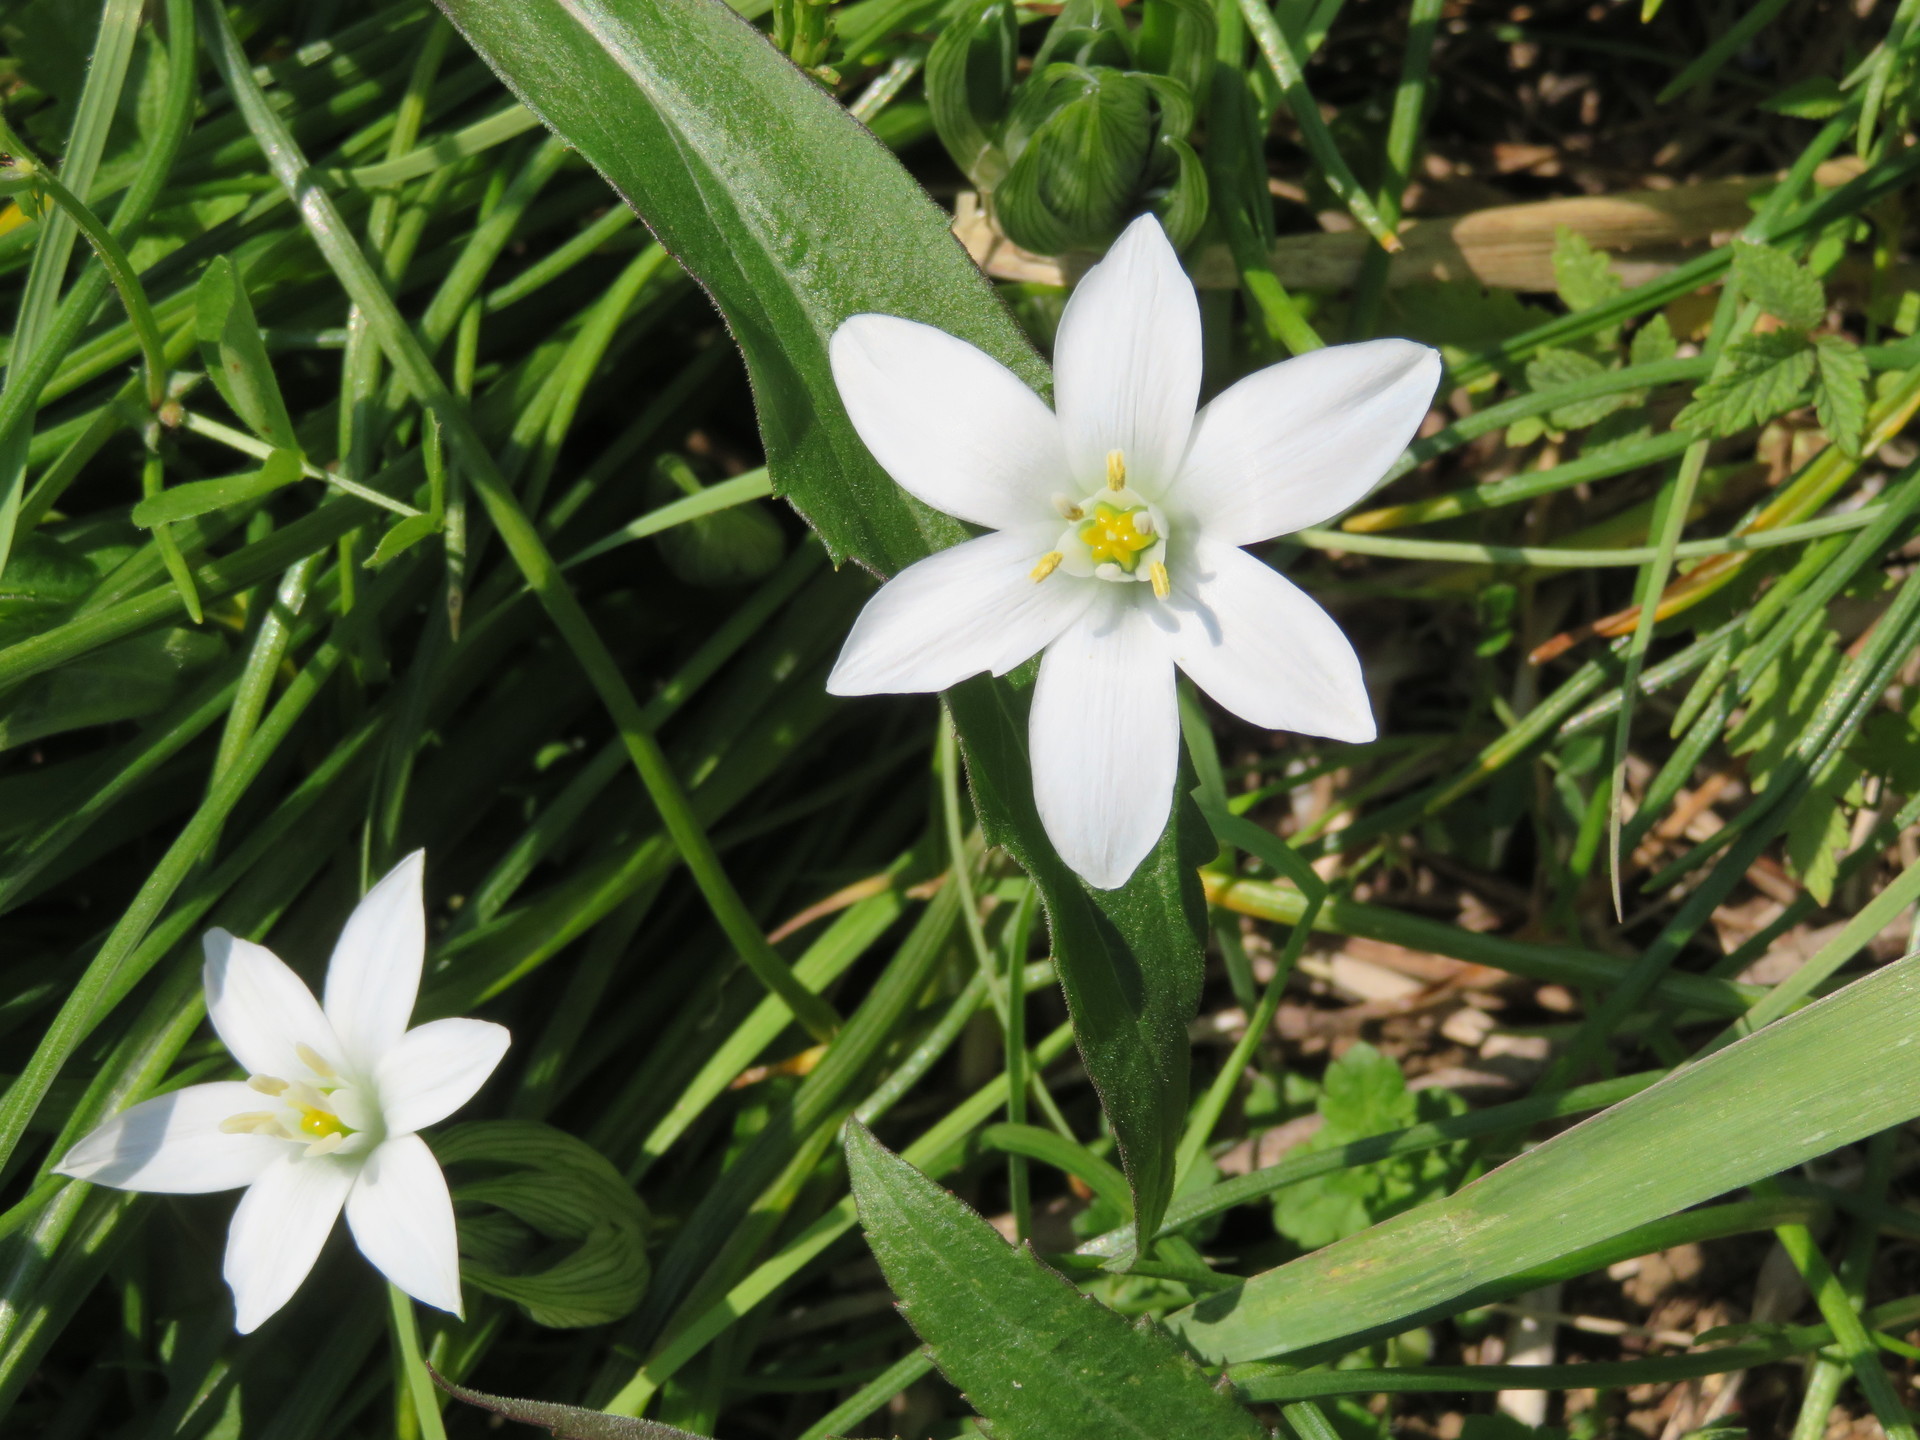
794	218
1039	1361
1820	1079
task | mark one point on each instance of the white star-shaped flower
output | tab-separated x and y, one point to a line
1118	518
327	1118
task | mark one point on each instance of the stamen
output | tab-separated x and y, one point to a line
1143	522
1109	571
246	1123
1049	562
1162	587
1116	470
313	1060
1068	510
266	1084
325	1145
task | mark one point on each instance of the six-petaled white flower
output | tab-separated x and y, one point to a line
1118	518
327	1117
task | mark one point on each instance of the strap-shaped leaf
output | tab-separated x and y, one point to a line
1804	1086
1036	1358
794	218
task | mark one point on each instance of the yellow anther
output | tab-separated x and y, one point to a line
1116	470
1162	587
1049	563
313	1060
246	1123
266	1084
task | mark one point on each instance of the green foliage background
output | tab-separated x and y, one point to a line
370	478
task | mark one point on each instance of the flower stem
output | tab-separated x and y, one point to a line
418	1385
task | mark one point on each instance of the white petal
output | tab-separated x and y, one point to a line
1126	362
953	426
1105	738
374	975
278	1229
261	1009
173	1144
402	1219
971	608
1260	647
436	1069
1301	441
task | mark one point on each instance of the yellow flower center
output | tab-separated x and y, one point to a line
321	1123
1113	536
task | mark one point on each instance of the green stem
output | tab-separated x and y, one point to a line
416	1385
1849	1332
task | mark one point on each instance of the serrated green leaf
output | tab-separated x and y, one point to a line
1742	1113
235	355
1653	342
1366	1094
1779	284
1582	275
1553	368
1840	392
200	497
1460	315
1818	831
1038	1360
676	100
1765	374
1888	745
1783	699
